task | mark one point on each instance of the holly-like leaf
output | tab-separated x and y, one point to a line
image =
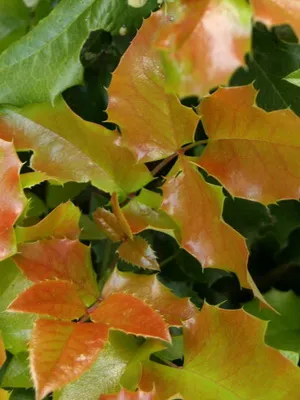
249	147
2	352
196	206
149	289
30	179
50	52
220	357
62	351
120	216
67	148
59	259
12	199
204	42
277	12
126	395
139	252
153	123
129	314
108	224
62	222
56	298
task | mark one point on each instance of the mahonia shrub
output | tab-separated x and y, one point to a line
149	213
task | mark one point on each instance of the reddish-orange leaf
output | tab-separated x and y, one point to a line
2	352
12	199
225	358
197	208
278	12
127	313
154	124
126	395
149	289
56	298
253	153
139	252
60	352
67	148
108	224
120	216
62	222
204	43
59	259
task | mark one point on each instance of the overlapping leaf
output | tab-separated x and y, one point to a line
139	252
68	148
204	43
224	361
62	351
153	123
2	352
278	12
249	147
12	199
149	289
126	395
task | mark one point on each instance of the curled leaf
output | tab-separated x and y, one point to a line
139	252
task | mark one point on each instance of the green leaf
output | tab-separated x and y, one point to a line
57	194
22	394
49	54
283	329
173	351
16	328
105	374
17	374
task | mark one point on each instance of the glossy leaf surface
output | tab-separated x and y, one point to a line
12	199
56	298
59	259
220	357
108	224
126	395
62	222
204	43
249	147
139	252
196	206
278	12
148	288
153	123
61	351
93	153
129	314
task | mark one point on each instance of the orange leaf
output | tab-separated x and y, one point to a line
59	259
253	153
2	352
225	358
67	148
56	298
138	252
197	208
125	395
278	12
205	43
4	395
154	124
127	313
12	199
62	222
120	216
60	352
109	224
149	289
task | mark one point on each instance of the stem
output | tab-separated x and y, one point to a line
192	145
163	163
168	259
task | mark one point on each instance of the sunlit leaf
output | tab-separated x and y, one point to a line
62	351
278	12
149	289
56	298
31	179
138	252
4	395
126	395
59	259
197	208
127	313
62	222
154	124
120	216
225	358
204	42
12	199
67	148
253	153
108	224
